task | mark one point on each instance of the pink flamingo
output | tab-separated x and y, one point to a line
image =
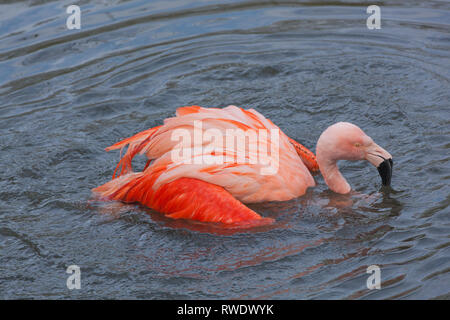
216	191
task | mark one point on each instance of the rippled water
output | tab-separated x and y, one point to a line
67	94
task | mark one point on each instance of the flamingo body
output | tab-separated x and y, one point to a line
212	191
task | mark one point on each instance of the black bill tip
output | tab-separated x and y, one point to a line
385	171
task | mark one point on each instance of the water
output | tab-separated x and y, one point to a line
67	94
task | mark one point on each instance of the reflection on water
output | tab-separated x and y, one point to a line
67	94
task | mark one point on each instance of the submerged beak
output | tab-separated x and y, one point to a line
382	160
385	171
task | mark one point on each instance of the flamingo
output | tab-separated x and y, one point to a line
217	191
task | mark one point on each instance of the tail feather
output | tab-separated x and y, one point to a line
114	189
135	144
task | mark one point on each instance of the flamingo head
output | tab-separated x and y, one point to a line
346	141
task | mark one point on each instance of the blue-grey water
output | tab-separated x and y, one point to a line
65	95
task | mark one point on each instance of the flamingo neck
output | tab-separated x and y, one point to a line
333	177
329	150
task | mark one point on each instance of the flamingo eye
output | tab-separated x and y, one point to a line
357	144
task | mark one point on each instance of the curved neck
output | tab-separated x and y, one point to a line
333	177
